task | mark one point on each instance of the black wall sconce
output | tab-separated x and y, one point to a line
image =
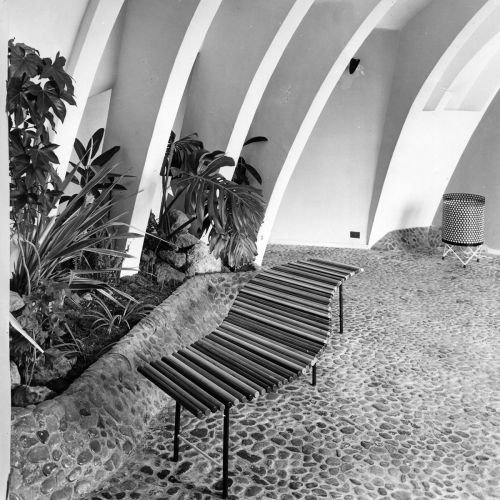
353	64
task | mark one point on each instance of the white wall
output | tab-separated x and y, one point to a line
50	27
94	117
144	63
233	48
329	193
422	42
307	60
478	172
106	71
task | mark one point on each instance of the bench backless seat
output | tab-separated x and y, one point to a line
275	331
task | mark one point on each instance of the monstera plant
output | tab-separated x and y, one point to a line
230	210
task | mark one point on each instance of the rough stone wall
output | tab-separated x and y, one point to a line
64	447
411	238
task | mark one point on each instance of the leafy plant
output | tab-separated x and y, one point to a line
45	247
231	210
234	211
38	90
43	270
113	318
181	151
90	163
243	168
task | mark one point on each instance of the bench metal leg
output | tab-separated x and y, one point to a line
313	375
176	430
341	309
225	454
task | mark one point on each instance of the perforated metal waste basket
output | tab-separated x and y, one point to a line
463	224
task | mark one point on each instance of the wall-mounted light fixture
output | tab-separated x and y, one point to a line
353	70
353	65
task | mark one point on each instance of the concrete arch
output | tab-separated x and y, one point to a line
165	117
261	79
419	171
312	115
473	87
89	45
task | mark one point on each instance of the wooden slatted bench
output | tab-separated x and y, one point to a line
275	331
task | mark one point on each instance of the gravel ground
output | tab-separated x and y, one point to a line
407	404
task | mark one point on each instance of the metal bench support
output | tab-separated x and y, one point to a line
225	445
225	454
341	309
176	430
313	375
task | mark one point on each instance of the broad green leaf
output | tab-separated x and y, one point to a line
23	62
106	156
95	141
258	138
81	152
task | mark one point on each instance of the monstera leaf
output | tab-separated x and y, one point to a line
235	211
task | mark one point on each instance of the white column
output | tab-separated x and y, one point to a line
261	79
82	64
4	270
312	116
170	102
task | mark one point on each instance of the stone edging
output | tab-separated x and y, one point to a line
63	448
410	238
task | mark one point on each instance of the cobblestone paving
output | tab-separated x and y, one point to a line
407	404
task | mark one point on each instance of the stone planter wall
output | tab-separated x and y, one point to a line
411	238
63	448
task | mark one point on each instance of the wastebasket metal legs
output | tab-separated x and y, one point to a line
469	253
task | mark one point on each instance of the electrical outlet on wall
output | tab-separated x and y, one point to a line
354	234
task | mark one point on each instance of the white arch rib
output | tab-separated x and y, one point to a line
433	140
177	81
472	88
261	79
312	116
90	42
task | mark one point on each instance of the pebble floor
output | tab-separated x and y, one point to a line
407	404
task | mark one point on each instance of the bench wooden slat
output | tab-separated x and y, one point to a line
244	338
295	326
306	282
241	356
209	383
273	367
189	386
353	269
316	325
277	334
174	391
187	358
233	378
293	290
264	294
296	284
298	303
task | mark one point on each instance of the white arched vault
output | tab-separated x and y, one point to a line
261	79
312	115
169	105
439	125
90	42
